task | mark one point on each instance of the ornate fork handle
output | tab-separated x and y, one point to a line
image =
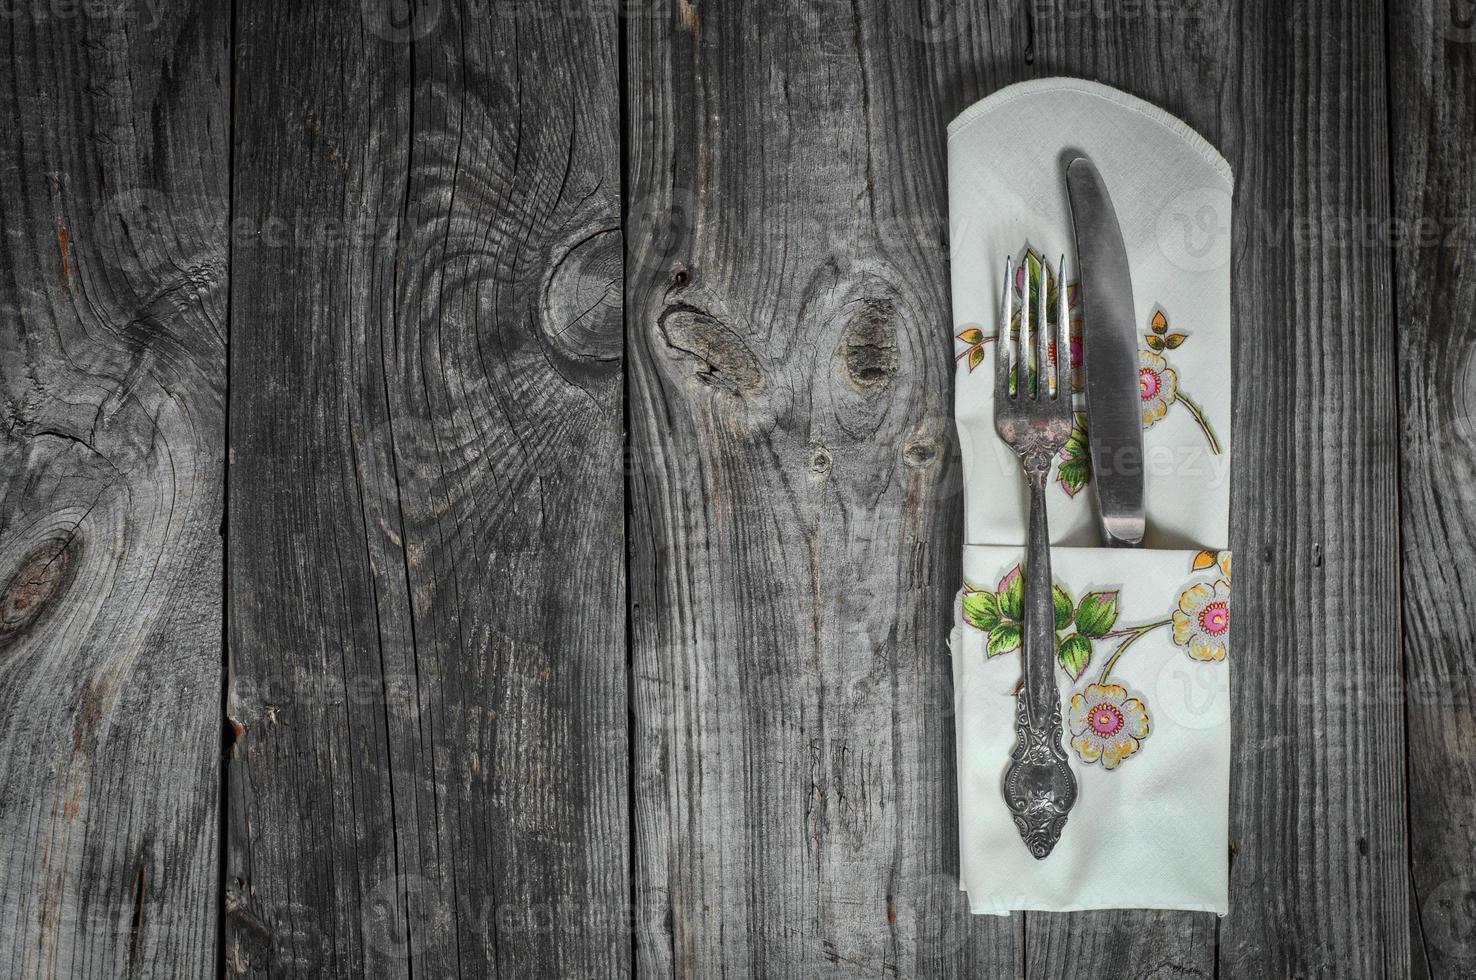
1039	787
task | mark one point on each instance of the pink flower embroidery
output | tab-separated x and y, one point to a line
1107	724
1158	384
1202	621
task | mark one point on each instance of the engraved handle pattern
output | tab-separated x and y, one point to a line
1039	788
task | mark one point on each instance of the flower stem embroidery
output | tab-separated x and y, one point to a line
1131	635
975	338
1158	381
1204	424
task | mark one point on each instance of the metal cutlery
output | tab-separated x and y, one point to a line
1034	418
1109	357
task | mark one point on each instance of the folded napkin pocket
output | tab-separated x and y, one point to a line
1143	639
1142	634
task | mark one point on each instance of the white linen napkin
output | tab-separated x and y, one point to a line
1143	633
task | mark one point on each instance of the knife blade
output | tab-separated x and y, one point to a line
1109	357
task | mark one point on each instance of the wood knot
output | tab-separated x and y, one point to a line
820	460
723	359
582	298
44	575
920	452
868	346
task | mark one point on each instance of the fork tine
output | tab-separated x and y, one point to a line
1024	348
1042	337
1003	342
1062	375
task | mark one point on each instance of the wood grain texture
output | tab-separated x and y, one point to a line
426	544
431	773
113	175
794	510
1433	78
1319	876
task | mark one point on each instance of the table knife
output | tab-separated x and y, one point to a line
1109	357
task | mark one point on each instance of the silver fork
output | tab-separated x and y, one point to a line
1035	420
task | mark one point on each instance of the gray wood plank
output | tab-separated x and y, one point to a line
113	197
1319	882
794	511
429	777
1432	83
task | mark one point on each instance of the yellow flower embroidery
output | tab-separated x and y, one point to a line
1158	384
1107	724
1209	558
1202	621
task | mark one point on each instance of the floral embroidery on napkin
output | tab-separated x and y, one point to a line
1107	724
1202	621
1158	383
1001	615
1074	461
1108	721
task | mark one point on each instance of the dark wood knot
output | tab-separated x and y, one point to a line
723	360
44	575
920	452
582	299
868	346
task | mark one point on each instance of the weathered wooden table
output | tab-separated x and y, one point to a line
479	495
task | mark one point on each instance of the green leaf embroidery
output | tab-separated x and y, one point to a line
1074	468
1064	606
1154	342
1012	596
1003	638
1072	476
1075	655
1097	613
981	610
971	335
1173	340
